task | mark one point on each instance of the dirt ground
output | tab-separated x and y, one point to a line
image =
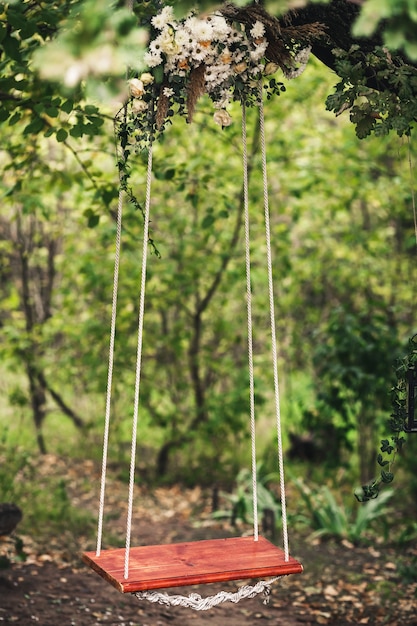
341	584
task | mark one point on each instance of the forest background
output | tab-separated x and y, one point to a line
344	254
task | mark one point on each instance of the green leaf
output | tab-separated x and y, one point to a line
67	105
386	446
61	134
16	19
12	48
207	221
90	109
76	131
35	126
52	111
387	477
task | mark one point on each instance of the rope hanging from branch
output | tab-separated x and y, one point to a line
195	601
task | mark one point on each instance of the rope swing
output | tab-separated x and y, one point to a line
143	570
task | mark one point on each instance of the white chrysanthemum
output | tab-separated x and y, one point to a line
216	75
202	31
200	53
236	36
223	100
221	28
259	51
190	23
302	58
183	38
165	42
258	30
152	59
165	17
155	45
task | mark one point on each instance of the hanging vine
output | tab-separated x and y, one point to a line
390	448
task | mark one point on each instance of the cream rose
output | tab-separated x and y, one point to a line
240	67
139	106
136	87
270	68
147	78
222	118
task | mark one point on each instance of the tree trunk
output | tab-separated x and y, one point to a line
38	403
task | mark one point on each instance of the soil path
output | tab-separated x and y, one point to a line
341	585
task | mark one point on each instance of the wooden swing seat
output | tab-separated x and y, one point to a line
191	563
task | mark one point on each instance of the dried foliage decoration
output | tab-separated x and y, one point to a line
284	39
195	89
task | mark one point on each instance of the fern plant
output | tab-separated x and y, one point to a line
327	518
241	500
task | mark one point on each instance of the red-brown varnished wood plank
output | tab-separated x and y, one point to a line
192	563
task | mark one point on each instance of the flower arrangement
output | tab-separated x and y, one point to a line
190	57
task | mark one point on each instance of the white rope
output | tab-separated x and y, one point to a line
198	603
110	373
250	334
273	330
138	361
111	360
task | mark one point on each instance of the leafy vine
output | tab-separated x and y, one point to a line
391	447
389	104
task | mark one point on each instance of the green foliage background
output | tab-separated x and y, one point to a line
344	258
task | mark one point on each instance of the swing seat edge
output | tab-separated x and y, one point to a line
191	563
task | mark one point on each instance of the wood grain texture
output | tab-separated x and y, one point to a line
191	563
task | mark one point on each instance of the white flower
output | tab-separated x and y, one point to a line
155	45
169	46
258	30
147	78
165	42
216	75
168	92
221	28
152	59
183	37
165	17
223	100
190	23
259	51
235	36
136	88
222	118
202	31
139	106
200	52
302	58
